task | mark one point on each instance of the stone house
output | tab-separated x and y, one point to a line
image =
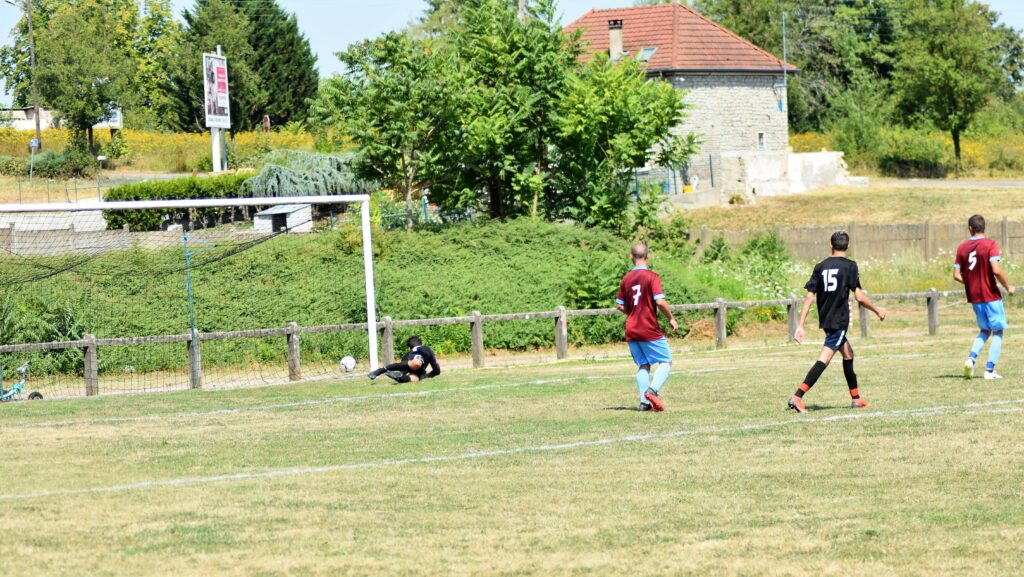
735	96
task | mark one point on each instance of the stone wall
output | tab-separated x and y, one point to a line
730	111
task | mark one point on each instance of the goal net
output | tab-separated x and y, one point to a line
116	297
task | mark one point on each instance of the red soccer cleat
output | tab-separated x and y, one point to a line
656	403
797	404
859	404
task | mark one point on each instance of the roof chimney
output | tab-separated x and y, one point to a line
615	39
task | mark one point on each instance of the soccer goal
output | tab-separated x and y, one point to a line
131	296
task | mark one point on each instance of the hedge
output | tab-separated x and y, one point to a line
226	186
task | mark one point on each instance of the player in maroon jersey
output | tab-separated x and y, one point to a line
640	297
977	268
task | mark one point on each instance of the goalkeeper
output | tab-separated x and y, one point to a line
413	366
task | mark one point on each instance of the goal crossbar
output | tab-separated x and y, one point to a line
362	199
182	203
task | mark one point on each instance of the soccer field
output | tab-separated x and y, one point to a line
538	470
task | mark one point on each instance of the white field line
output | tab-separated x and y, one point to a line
328	401
994	407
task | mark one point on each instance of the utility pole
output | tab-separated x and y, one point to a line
32	65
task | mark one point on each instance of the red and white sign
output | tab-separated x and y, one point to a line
215	89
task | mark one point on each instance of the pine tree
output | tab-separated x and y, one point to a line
285	63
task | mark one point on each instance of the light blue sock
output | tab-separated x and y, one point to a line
979	343
994	350
660	376
643	381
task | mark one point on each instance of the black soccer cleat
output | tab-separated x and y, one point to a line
394	374
645	407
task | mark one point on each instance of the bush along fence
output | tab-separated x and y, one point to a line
292	333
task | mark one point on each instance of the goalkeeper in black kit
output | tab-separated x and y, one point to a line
413	366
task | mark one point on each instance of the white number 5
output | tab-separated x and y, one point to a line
973	257
636	294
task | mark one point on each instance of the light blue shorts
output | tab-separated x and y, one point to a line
650	352
991	315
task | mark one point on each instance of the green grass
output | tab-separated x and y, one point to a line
883	202
539	470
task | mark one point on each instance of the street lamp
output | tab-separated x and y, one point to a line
32	61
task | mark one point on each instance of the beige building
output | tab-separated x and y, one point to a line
735	97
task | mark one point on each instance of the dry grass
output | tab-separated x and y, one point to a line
883	202
729	483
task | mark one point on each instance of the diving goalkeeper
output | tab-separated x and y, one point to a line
413	366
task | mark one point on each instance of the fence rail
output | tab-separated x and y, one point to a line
292	332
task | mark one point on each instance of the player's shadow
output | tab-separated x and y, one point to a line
817	408
637	409
959	377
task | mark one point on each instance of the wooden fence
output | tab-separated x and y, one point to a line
928	239
292	332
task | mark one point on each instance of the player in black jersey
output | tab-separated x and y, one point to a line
831	282
413	366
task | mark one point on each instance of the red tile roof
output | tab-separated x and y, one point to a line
685	39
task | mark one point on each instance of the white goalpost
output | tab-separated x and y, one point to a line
40	242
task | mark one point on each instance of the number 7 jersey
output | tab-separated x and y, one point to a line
638	291
832	281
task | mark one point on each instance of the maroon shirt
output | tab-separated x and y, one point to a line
638	291
974	258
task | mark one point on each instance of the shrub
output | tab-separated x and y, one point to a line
51	165
225	186
912	153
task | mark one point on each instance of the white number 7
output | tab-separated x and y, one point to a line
636	294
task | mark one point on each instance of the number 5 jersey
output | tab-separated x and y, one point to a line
974	258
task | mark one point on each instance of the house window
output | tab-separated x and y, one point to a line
645	54
762	141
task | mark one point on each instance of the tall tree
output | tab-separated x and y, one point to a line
14	57
86	67
609	120
285	63
950	64
394	101
157	43
211	23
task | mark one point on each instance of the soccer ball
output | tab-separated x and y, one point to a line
348	363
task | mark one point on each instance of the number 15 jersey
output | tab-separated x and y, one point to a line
638	291
832	281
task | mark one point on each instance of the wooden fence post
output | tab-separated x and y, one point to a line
721	311
863	315
927	239
195	377
1005	237
92	370
561	334
933	311
476	330
294	366
388	341
793	316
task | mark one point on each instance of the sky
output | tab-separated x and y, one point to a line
331	25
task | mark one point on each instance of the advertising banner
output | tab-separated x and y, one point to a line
215	89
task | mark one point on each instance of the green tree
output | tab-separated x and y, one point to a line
608	120
513	74
15	68
284	62
394	102
211	23
85	69
950	64
158	41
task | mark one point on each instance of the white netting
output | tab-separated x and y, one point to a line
79	284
